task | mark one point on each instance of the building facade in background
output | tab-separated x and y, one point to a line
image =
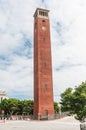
3	95
43	86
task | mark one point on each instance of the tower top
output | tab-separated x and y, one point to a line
42	13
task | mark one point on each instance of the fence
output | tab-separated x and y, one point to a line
31	117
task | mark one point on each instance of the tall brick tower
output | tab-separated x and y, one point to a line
43	87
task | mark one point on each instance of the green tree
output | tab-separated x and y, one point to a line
14	106
75	101
79	101
56	107
28	107
10	106
66	98
20	107
4	106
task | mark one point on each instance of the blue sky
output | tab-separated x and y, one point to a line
68	41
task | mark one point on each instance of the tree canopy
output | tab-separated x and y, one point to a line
56	107
75	101
15	106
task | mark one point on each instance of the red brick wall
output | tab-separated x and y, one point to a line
43	86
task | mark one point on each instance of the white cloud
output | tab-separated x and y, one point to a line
18	77
68	30
69	47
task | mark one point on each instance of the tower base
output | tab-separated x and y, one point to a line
45	117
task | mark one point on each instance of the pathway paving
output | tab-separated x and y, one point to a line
67	123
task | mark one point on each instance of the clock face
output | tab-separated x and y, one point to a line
43	28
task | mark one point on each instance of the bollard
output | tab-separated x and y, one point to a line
83	126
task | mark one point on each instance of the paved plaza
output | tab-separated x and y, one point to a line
67	123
